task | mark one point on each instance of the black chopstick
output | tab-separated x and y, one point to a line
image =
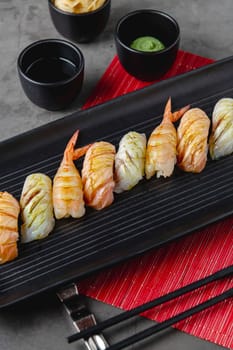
155	302
171	321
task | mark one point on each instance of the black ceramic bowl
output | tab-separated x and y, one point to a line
147	66
51	72
83	27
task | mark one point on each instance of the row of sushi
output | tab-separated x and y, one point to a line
104	171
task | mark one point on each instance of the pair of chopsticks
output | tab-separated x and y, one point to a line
155	302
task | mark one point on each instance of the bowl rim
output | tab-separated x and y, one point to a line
152	11
80	68
105	4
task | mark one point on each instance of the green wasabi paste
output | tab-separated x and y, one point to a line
147	44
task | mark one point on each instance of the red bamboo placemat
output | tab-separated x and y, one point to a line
175	264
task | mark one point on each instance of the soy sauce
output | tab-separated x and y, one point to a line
51	70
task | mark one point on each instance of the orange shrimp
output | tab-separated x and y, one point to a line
161	146
67	183
192	135
97	175
9	212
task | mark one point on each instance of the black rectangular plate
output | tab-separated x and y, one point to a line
151	214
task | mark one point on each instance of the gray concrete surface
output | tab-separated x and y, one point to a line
206	29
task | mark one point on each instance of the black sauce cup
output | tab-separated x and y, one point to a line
147	66
51	72
80	27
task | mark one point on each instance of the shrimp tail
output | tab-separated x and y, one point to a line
178	114
173	116
69	150
168	110
79	152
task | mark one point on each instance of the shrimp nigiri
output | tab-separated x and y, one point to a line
221	138
36	207
192	136
130	161
67	183
9	212
161	146
97	175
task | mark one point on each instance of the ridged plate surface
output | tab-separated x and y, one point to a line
151	214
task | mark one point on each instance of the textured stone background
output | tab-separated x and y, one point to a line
206	29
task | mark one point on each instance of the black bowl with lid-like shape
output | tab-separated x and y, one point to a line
80	27
147	66
51	72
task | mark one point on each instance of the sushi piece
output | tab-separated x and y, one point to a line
221	138
67	183
162	143
97	175
9	212
130	161
192	136
36	207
